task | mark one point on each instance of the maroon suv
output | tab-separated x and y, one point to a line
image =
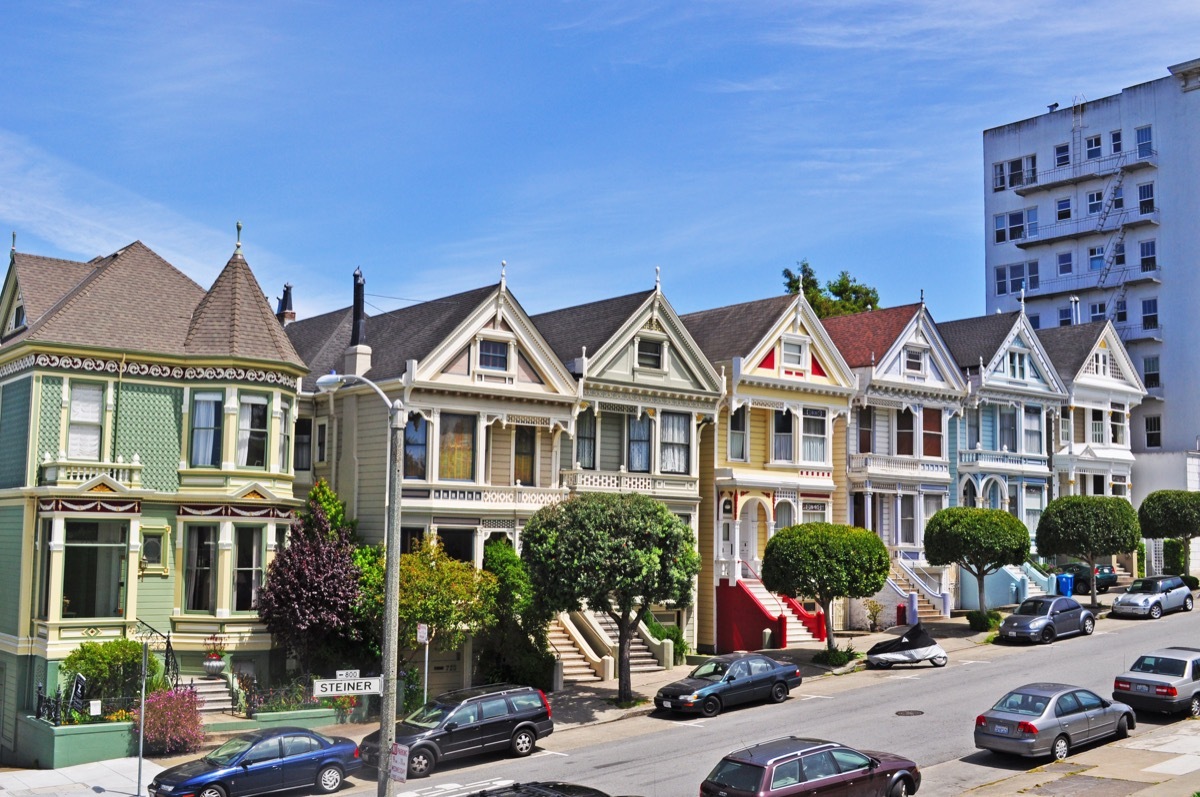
794	766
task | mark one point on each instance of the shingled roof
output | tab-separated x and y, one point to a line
863	338
409	333
1069	347
46	280
234	319
732	331
592	325
972	339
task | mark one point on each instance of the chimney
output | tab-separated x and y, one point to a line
357	359
285	313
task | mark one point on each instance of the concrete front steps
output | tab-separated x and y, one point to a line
1035	590
640	657
213	693
925	609
797	631
575	666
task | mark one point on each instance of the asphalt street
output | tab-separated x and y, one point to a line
921	712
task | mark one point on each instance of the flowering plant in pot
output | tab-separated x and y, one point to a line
214	654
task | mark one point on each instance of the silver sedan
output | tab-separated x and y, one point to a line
1050	719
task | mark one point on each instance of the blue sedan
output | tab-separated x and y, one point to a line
725	680
263	761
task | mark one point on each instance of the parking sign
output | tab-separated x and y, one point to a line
398	763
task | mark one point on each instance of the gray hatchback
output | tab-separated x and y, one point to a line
1154	595
1050	719
1046	618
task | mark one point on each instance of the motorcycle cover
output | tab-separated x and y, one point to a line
915	644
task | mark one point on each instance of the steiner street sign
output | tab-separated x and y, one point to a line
347	686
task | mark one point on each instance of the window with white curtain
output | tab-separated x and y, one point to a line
285	435
783	515
585	439
253	412
85	430
933	505
782	447
813	435
248	567
737	434
1033	430
813	512
675	442
639	444
200	569
908	520
1008	429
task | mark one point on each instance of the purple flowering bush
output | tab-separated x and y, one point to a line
173	723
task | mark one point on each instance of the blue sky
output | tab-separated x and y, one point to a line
584	143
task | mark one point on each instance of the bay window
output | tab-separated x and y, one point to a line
639	444
1033	430
585	439
1008	429
285	436
416	447
904	433
931	433
676	434
524	454
252	431
866	430
94	569
456	447
86	421
737	434
782	447
813	435
248	566
200	569
302	455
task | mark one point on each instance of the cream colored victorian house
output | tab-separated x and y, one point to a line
774	458
647	394
490	411
145	464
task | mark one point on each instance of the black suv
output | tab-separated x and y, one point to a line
467	722
794	765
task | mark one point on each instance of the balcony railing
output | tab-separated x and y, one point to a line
624	482
487	495
1009	461
1085	170
62	472
1084	226
1139	332
886	465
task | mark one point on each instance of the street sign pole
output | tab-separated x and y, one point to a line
423	638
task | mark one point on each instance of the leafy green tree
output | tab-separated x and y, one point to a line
841	296
335	508
613	553
112	669
825	561
367	609
1172	514
516	648
980	541
1088	527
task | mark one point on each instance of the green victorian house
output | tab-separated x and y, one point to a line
145	468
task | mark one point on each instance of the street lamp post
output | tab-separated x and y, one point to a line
391	601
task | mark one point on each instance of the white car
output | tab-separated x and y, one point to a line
1154	595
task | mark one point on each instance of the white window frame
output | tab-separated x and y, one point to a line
1097	311
1153	431
810	416
507	367
1066	263
1096	258
85	429
776	438
1015	225
661	343
1144	136
1017	365
1151	376
1145	198
1032	424
1062	155
1093	147
1115	143
1062	209
1117	420
800	358
1148	254
1150	313
1064	317
742	434
914	360
245	431
16	317
1095	202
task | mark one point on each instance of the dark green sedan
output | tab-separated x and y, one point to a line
727	680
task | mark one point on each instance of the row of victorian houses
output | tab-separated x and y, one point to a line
157	437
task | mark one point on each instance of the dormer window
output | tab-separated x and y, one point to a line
650	354
1016	365
793	354
493	355
914	361
17	319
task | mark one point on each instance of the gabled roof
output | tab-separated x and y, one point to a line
863	338
1069	347
234	319
724	333
45	280
974	339
591	325
409	333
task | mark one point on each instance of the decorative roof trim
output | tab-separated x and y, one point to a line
173	372
16	366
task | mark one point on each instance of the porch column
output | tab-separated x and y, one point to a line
130	575
224	566
433	439
58	539
736	553
229	442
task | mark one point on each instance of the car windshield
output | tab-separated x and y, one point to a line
711	670
233	748
1022	703
1142	585
1157	665
430	715
737	775
1034	608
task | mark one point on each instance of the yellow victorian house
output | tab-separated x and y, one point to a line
774	458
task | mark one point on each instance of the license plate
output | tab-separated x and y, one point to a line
1002	729
1141	688
1012	633
666	704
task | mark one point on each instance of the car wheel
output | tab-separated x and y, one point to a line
779	692
420	763
1156	611
939	661
711	707
1048	635
1089	625
1194	708
900	788
523	742
1080	588
212	791
1123	726
329	780
1061	748
1102	590
1188	603
883	665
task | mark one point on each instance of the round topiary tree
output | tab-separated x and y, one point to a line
1088	527
980	541
825	561
1172	514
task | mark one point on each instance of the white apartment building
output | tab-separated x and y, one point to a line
1091	212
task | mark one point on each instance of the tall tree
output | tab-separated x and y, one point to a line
611	553
1088	527
517	647
825	561
841	296
1166	514
980	541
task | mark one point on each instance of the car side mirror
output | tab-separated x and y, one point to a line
874	763
1105	703
729	679
450	726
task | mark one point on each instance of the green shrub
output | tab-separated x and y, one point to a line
1172	556
112	669
1191	581
1141	568
980	621
837	657
671	632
